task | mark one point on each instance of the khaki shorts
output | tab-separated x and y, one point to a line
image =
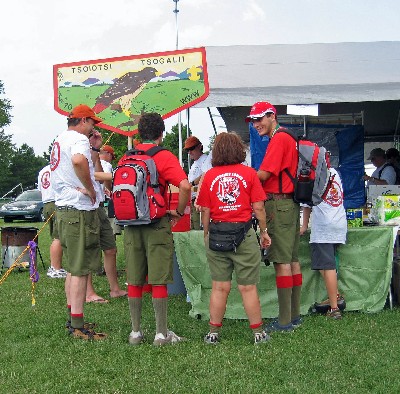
107	238
283	223
246	262
80	240
48	209
149	251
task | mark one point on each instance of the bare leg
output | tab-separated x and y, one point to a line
330	278
110	266
218	298
91	295
56	254
251	303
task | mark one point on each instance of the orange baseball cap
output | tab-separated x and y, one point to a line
109	149
83	111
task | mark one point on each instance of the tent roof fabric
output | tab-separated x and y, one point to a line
303	73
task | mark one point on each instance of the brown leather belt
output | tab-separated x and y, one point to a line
279	196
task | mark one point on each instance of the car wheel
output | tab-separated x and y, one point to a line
41	217
7	219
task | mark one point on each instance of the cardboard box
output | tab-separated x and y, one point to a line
354	217
387	210
373	191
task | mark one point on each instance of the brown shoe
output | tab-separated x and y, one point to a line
86	325
87	335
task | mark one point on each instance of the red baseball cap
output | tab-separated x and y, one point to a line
83	111
258	110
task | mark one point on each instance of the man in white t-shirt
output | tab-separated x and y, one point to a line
384	173
194	148
44	185
73	162
328	231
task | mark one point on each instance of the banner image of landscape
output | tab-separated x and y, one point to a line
121	89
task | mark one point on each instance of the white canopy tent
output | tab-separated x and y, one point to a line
343	78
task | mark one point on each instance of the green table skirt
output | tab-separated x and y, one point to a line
365	271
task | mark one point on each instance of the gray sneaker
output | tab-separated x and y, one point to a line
170	339
334	314
261	337
211	338
135	337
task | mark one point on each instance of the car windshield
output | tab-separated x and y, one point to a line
31	195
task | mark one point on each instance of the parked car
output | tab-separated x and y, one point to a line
27	206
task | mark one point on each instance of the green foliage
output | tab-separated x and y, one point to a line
7	149
16	165
171	142
358	354
5	107
25	166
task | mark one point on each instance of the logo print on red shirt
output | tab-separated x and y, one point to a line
228	190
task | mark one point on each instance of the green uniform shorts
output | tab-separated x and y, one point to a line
107	238
48	209
245	261
149	251
80	240
283	223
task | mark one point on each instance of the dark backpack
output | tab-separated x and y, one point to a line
136	191
313	178
397	170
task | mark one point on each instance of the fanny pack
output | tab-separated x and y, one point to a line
225	236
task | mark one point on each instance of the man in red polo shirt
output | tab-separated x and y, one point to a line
283	214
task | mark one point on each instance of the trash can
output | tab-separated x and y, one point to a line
14	240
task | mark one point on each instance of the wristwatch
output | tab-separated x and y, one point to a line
180	214
95	149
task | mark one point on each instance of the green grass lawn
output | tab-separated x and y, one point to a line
359	354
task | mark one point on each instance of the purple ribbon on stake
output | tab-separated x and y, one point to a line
34	275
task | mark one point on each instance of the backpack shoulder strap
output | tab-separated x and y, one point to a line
154	150
381	170
294	136
288	131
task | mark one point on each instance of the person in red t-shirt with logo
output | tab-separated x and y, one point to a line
229	194
283	214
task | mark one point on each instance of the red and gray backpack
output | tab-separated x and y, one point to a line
313	178
136	190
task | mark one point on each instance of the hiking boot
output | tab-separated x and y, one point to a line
211	338
274	326
334	314
297	322
135	338
86	325
261	337
170	339
87	335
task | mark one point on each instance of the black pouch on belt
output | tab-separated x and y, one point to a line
225	236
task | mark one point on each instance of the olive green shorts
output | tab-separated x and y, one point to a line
283	223
107	238
245	261
48	209
80	240
149	251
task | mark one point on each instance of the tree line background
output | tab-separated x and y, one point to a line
21	165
